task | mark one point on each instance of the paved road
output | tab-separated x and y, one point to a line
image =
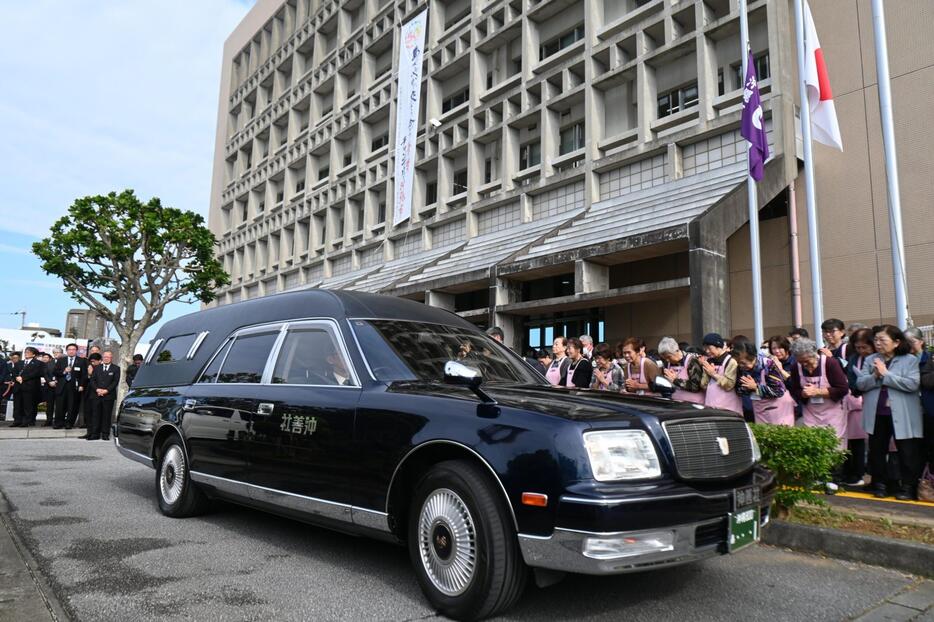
89	517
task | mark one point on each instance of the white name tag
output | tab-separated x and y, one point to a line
755	397
76	369
817	400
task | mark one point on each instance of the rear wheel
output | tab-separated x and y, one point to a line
178	496
462	543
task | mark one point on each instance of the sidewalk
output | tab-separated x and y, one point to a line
865	505
37	431
23	593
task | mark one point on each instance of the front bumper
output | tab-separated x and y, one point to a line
565	549
617	533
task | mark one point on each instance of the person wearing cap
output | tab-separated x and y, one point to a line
719	382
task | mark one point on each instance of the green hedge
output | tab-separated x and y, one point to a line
802	459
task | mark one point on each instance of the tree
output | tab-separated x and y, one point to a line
127	260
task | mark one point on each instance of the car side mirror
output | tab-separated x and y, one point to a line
663	386
458	374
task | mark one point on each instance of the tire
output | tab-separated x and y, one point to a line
462	543
178	496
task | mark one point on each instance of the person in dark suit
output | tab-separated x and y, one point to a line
5	386
48	387
132	369
103	386
71	373
13	393
29	381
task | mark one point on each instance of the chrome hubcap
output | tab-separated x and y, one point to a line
447	542
171	476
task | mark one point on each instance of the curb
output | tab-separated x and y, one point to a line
911	557
43	589
39	433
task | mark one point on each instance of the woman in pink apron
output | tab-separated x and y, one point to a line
719	375
761	379
556	372
640	371
580	370
678	366
607	376
820	385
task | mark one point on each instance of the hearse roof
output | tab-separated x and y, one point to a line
220	322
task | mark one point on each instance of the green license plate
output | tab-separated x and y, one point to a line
744	528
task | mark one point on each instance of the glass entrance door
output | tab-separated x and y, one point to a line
540	331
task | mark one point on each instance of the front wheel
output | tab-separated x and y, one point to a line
178	496
462	543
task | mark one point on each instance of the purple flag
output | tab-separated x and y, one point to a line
753	125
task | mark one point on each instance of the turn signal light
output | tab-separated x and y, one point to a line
534	499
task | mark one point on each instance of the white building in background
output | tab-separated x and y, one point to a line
579	166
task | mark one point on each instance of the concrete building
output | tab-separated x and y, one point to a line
579	163
85	324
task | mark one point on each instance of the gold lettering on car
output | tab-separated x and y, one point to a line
304	426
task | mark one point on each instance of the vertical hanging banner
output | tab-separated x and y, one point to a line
411	51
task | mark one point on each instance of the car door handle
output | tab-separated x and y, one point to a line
264	408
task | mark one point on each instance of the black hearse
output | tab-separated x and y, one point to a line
389	418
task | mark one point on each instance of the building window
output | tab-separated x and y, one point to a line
324	172
460	182
677	100
489	80
530	155
488	171
381	212
243	213
361	217
339	225
431	193
455	100
348	159
572	138
300	186
379	142
763	70
261	206
560	42
279	196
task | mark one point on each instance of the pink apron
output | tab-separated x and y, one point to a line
776	410
854	412
825	412
638	377
569	382
553	375
695	397
719	398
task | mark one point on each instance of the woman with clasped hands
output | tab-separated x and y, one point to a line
889	381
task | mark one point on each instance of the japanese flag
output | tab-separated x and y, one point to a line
824	128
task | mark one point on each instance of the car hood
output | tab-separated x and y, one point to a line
574	404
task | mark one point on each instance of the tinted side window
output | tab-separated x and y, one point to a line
176	348
311	356
247	358
210	374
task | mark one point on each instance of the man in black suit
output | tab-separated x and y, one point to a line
5	386
132	369
48	387
29	381
103	386
71	373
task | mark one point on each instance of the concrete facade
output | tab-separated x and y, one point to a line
579	166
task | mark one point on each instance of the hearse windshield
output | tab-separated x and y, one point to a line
400	350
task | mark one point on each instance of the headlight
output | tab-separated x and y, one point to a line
756	453
621	454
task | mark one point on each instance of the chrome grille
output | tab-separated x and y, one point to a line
697	449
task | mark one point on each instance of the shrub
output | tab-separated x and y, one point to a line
801	458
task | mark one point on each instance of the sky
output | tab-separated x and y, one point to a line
99	96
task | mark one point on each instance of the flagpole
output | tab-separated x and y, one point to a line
817	296
752	199
903	317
